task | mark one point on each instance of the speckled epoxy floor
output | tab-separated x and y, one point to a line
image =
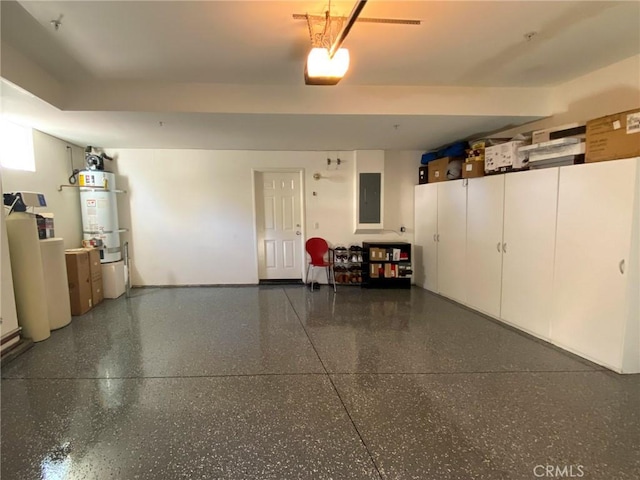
280	383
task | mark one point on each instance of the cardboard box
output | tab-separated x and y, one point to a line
79	278
377	254
94	263
423	175
613	137
374	270
97	292
561	131
505	157
438	169
473	169
388	273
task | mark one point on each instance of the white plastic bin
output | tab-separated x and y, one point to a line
113	279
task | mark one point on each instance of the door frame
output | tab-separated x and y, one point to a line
303	211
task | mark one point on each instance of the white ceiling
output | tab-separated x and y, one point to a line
459	44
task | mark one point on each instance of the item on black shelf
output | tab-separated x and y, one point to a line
341	255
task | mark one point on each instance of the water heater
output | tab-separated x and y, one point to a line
100	212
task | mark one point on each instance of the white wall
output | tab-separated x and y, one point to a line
52	170
191	212
611	89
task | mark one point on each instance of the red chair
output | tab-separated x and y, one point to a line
317	248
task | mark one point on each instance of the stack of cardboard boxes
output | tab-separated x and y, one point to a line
474	164
84	272
610	137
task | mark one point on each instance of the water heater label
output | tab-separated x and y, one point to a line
91	203
87	179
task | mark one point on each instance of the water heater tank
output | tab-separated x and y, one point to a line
100	212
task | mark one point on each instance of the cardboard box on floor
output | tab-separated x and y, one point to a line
95	269
79	277
613	137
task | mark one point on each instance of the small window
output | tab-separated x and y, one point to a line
16	147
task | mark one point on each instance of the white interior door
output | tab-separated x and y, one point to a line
426	229
452	229
595	211
530	204
485	200
279	225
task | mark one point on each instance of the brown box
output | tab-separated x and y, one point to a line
374	270
473	169
377	253
79	278
438	169
97	291
613	137
95	267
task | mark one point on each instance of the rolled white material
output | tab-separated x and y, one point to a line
56	282
28	277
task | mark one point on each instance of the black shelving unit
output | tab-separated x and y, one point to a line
386	265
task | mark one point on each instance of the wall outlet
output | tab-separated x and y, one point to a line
403	229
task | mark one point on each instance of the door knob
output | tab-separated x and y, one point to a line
298	232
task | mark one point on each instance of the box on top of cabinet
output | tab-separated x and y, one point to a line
562	131
473	169
505	157
443	169
613	137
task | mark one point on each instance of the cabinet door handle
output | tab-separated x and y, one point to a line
621	266
498	247
504	247
434	237
438	236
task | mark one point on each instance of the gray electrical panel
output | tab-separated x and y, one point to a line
370	190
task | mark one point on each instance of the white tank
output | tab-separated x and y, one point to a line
28	276
100	212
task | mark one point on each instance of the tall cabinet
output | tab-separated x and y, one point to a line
425	250
485	202
451	239
596	259
530	202
554	252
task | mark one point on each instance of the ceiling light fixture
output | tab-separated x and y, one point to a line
328	62
322	70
